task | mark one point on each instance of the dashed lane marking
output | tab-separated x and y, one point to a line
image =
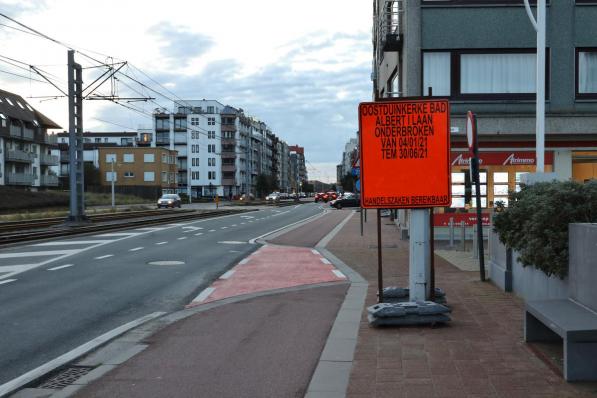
199	234
324	260
233	225
115	234
212	230
161	243
339	274
7	281
102	257
182	238
203	295
314	252
224	228
60	267
227	274
136	248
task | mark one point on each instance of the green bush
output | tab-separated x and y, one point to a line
536	222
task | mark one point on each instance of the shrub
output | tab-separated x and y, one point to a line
536	222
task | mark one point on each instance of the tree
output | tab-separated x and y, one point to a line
308	188
92	175
348	183
262	185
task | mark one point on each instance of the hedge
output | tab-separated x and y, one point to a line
536	222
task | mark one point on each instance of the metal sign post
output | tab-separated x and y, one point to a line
471	134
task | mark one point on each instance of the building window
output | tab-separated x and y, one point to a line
110	157
164	158
162	124
211	161
129	158
129	174
211	175
164	176
149	176
586	73
148	157
211	121
436	73
194	121
211	134
110	174
211	148
210	109
180	123
498	73
98	140
106	139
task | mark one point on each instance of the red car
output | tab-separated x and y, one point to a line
319	196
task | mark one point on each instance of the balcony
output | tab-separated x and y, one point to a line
228	167
228	181
28	134
389	21
228	127
19	179
16	155
229	141
49	180
15	131
64	157
48	160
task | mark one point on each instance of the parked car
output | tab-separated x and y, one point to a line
169	200
319	196
247	197
273	197
347	200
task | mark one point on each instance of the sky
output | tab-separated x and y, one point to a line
301	67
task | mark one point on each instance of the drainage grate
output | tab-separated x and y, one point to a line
66	377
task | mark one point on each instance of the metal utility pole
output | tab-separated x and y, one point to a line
75	137
540	27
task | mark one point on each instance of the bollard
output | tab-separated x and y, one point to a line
463	236
451	231
475	242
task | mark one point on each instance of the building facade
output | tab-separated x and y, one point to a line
138	167
298	168
481	55
26	158
220	149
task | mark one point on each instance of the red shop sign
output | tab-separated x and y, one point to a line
514	158
470	219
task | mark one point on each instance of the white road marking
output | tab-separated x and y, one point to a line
37	254
102	257
48	367
199	234
247	217
60	267
136	248
7	281
149	229
227	274
314	252
203	295
339	274
190	229
119	234
176	225
324	260
244	261
71	242
242	223
212	230
224	228
182	238
161	243
252	241
232	242
233	225
233	251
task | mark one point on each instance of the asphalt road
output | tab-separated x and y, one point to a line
58	295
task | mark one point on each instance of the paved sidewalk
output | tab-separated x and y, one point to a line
481	353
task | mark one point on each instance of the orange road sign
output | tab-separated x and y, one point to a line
405	153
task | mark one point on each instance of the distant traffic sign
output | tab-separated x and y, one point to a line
405	153
356	171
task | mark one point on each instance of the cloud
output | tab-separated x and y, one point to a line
312	107
179	45
15	8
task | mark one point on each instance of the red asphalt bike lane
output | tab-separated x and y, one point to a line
269	268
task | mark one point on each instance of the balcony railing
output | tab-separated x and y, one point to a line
228	181
19	179
48	160
28	134
389	21
228	167
16	155
49	180
15	131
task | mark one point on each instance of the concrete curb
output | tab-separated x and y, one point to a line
331	377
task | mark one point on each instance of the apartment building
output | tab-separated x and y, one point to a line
348	158
481	55
298	169
143	167
221	150
25	147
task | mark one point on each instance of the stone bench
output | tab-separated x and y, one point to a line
545	320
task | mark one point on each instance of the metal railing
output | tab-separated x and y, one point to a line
19	179
28	134
16	155
49	180
15	131
49	160
388	25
